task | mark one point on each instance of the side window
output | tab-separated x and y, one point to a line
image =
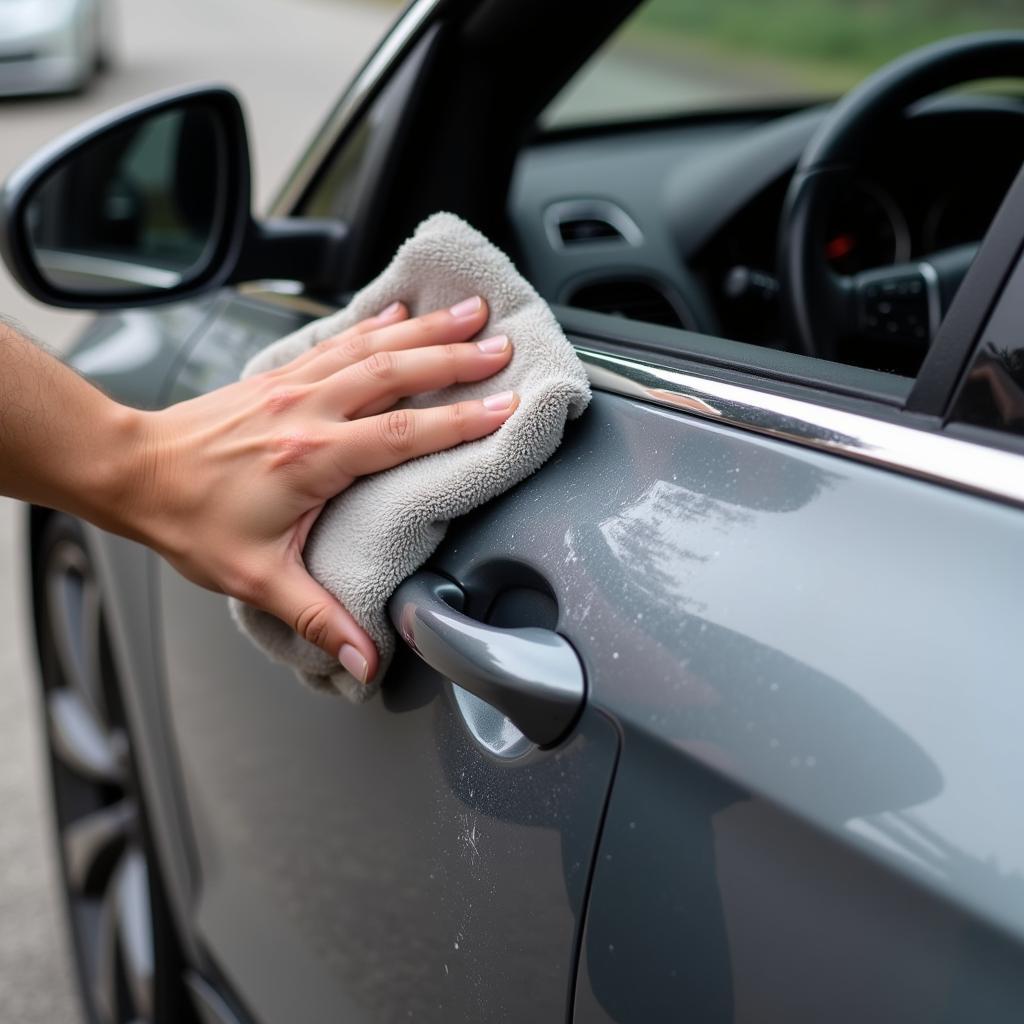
350	173
656	190
336	192
992	393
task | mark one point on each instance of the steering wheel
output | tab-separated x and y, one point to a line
903	302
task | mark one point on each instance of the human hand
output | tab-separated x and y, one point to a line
230	483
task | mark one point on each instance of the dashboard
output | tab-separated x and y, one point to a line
678	224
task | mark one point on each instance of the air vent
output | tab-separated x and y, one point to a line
587	229
635	300
577	223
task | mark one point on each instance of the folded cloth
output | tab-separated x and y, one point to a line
384	527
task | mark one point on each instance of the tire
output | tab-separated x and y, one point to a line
127	960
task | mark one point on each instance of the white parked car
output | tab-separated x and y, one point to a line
52	45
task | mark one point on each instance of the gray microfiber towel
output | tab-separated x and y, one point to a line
384	527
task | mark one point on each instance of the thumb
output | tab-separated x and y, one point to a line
317	616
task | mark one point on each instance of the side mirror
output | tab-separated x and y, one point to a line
151	204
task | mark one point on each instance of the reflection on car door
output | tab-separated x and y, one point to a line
375	862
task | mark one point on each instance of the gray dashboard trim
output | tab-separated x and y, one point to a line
615	216
936	457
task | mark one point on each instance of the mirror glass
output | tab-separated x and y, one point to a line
138	209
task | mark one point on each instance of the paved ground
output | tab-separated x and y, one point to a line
289	59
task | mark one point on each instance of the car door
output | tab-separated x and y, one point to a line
786	794
390	860
807	663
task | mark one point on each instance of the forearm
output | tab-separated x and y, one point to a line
63	443
226	486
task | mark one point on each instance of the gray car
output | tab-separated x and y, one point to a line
51	46
783	550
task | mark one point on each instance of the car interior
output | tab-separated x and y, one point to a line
685	233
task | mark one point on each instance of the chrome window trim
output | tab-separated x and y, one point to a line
363	88
935	457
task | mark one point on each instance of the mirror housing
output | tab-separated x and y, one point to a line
151	203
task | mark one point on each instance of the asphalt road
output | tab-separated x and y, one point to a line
289	60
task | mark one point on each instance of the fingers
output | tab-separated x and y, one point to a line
391	315
302	604
376	383
375	443
445	326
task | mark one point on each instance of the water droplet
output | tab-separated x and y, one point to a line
615	654
632	824
456	945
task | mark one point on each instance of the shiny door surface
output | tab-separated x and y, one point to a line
377	862
801	672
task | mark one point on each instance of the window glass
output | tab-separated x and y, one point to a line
353	169
992	394
688	55
336	192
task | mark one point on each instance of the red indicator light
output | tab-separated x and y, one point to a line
840	246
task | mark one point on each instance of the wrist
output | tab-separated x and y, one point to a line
118	494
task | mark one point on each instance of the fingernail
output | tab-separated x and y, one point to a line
465	308
500	401
387	314
353	661
496	344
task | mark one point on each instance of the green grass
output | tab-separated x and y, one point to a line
826	39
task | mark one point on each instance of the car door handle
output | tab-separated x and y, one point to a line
531	675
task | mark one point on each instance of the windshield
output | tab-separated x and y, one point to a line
683	56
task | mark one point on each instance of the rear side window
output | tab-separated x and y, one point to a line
992	393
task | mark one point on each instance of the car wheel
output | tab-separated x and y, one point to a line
116	913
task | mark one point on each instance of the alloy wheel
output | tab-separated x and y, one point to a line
99	824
